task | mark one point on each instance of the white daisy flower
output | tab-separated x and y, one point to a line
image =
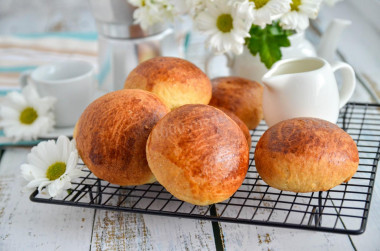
226	23
300	12
265	11
25	115
52	165
150	12
194	7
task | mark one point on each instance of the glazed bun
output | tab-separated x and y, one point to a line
111	135
241	96
198	154
241	124
306	155
176	81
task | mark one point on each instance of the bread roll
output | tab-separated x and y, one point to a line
176	81
306	155
111	135
241	124
198	154
241	96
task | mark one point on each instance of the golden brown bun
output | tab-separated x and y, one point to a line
111	135
198	154
241	96
241	124
176	81
306	155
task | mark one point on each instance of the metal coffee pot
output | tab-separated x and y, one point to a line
123	44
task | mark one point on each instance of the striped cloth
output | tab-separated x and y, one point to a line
19	53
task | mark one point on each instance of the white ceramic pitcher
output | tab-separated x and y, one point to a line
305	87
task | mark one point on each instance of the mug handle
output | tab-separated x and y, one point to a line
349	82
210	56
23	79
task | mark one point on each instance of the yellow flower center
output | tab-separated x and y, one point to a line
259	3
56	170
28	116
225	23
294	5
143	3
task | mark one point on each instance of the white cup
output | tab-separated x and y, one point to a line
71	82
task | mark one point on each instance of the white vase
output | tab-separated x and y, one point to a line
248	66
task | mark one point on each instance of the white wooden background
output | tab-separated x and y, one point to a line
30	226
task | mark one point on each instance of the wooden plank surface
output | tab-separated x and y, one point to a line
128	231
29	226
244	237
25	225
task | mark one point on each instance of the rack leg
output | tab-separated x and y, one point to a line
99	201
344	118
90	193
318	214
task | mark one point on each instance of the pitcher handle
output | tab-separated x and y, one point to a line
349	82
210	57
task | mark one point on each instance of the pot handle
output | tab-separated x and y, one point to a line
349	82
210	56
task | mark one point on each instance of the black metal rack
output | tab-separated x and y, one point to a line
343	209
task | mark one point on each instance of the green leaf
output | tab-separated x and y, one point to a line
268	42
282	41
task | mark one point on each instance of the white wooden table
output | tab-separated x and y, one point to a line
25	225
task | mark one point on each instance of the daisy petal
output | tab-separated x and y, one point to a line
40	182
15	100
9	113
56	187
30	93
72	161
30	172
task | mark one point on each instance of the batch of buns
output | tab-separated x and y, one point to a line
173	125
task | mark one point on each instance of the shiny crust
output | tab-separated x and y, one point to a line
111	135
306	155
176	81
241	96
241	124
198	154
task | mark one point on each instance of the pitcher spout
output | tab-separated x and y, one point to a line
272	80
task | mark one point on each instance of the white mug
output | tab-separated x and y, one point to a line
305	87
71	82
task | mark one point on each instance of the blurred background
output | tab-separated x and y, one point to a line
59	29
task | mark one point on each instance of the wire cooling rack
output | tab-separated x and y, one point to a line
343	209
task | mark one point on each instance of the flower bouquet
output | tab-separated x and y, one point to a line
263	26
